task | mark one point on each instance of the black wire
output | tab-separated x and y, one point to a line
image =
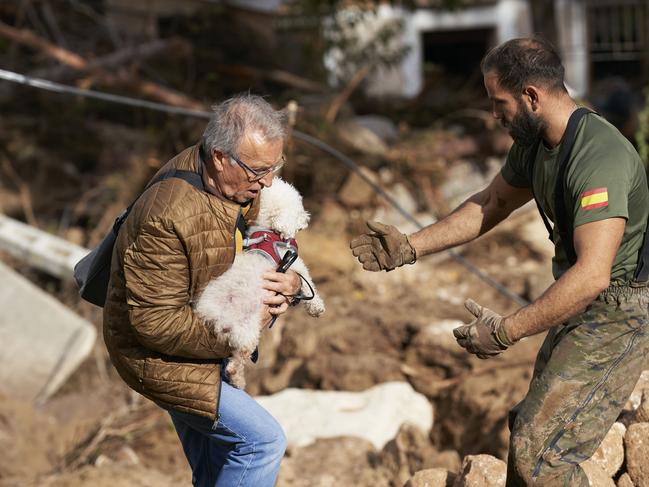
135	102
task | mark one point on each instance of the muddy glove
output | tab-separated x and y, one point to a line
485	336
383	249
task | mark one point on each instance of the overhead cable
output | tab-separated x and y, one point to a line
136	102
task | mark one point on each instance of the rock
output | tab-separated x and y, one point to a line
331	463
355	191
448	460
375	414
431	477
636	396
382	127
464	178
332	218
642	413
361	138
637	453
482	471
435	346
597	477
326	255
625	481
535	235
610	454
408	452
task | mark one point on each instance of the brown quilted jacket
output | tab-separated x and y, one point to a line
175	240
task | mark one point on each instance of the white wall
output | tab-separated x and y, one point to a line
509	19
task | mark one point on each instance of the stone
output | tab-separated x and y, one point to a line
355	191
597	477
625	481
436	346
408	452
361	138
375	414
610	454
535	235
43	342
333	462
637	452
431	477
482	471
382	127
636	396
448	460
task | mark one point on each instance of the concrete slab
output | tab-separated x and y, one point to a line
42	341
39	249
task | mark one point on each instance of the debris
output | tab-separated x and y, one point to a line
43	342
375	414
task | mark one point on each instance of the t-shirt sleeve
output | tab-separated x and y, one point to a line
515	171
599	185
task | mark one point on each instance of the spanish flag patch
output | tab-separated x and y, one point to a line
594	198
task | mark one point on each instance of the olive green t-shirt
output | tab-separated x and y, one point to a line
605	179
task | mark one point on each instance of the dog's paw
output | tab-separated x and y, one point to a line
315	307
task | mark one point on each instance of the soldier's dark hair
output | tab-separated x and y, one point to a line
523	61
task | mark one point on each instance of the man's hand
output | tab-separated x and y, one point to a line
485	336
281	288
384	249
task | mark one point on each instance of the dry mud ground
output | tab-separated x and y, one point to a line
94	431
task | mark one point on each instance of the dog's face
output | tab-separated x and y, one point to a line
281	209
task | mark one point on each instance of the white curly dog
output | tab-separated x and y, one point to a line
232	303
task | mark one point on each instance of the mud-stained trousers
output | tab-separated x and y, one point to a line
584	373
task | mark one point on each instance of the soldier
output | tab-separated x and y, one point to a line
595	312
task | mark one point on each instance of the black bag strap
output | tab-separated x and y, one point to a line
562	218
193	178
641	275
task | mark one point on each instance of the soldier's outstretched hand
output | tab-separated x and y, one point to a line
383	249
485	336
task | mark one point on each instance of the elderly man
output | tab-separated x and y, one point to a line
176	238
595	311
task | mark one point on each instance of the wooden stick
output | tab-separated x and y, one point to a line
145	88
344	95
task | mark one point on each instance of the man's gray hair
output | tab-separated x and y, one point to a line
235	117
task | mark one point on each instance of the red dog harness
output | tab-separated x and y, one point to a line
268	243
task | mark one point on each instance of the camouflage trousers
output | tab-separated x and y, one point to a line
584	373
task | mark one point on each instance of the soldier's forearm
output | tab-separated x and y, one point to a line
568	296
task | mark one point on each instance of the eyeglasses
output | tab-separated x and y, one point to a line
256	173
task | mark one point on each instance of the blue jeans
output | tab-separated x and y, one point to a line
243	448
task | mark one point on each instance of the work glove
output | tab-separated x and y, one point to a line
485	336
383	249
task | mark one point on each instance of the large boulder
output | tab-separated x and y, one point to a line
375	414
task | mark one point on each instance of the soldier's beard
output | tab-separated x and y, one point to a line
526	128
